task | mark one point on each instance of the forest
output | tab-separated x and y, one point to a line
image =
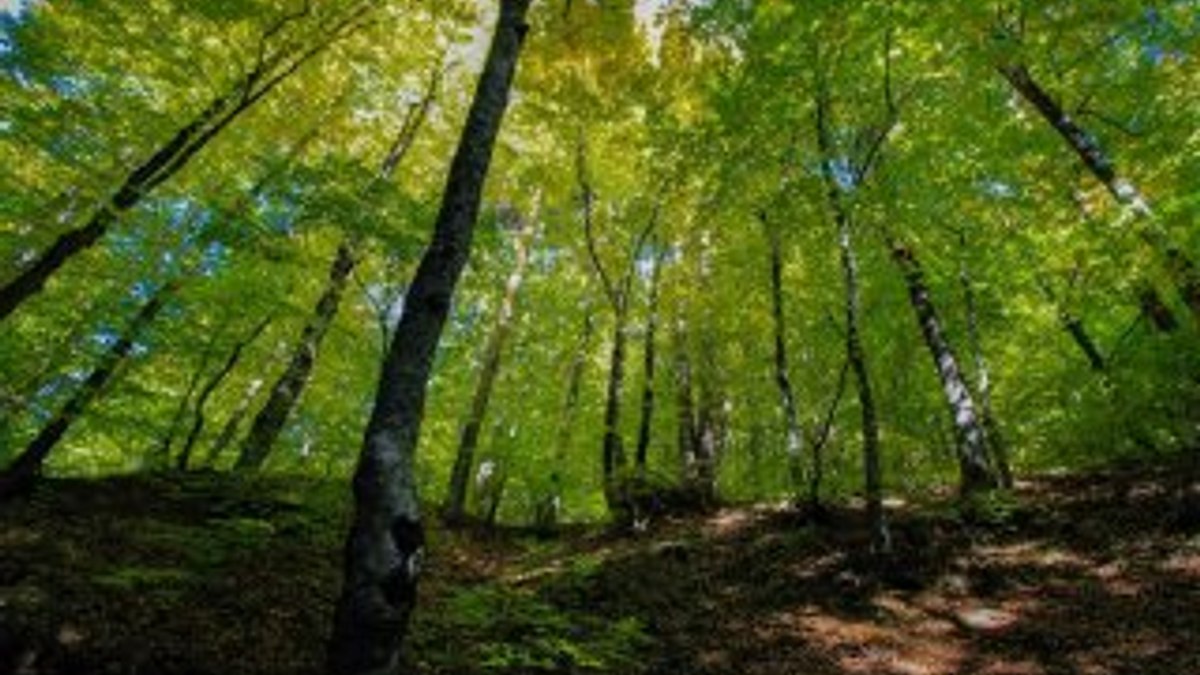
368	337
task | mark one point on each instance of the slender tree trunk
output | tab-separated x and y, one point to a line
384	547
821	438
710	443
1097	161
614	447
975	474
787	397
648	367
548	510
286	392
210	387
230	429
23	472
493	353
171	157
993	436
1155	309
1079	335
163	454
1075	328
686	406
1079	139
618	290
881	542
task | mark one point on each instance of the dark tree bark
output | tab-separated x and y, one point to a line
1075	328
1079	335
821	438
550	506
386	540
210	387
23	472
493	353
163	453
646	424
983	379
975	473
872	465
617	291
881	543
787	397
614	447
1155	309
1100	165
685	403
230	430
272	68
286	392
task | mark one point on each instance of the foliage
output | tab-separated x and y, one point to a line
701	112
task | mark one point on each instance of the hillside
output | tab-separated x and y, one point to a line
205	574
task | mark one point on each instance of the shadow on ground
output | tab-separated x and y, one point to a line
203	574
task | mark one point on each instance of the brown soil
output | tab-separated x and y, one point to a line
1096	574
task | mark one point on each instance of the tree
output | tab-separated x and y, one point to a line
618	290
1101	166
21	474
210	387
384	547
493	353
783	380
286	392
280	54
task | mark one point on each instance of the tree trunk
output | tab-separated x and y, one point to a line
549	508
162	455
460	476
1074	327
23	472
975	474
1156	310
1100	165
171	157
821	438
787	398
881	541
994	439
618	290
614	448
269	422
385	543
648	366
1079	335
210	387
230	430
711	427
285	395
686	406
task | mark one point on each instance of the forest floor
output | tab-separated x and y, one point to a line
1089	574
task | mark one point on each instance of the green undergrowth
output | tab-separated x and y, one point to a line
212	573
504	629
224	574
